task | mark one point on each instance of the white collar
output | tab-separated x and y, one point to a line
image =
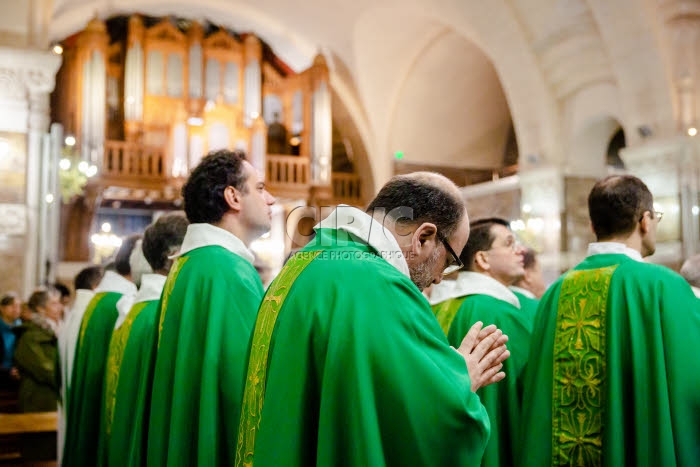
371	231
442	291
113	282
474	283
151	287
522	291
613	248
82	298
201	235
695	290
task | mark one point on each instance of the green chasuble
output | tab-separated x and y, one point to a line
615	377
357	371
527	305
128	379
84	400
502	400
207	315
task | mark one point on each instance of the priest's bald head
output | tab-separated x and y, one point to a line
621	208
427	215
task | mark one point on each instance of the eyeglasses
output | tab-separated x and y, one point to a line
658	215
457	263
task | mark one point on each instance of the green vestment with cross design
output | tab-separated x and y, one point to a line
614	378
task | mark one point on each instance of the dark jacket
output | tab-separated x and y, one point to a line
35	358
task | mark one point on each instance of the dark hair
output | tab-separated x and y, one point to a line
415	199
89	278
480	238
39	297
617	203
8	298
161	239
529	258
121	260
203	193
62	289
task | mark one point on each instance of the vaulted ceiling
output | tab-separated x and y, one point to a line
443	81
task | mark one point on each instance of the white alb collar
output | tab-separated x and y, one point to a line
525	292
372	232
474	283
151	287
113	282
442	291
201	235
613	248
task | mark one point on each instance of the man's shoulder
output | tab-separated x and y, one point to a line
483	303
640	271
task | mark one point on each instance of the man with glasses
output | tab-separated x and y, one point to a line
613	378
348	365
493	260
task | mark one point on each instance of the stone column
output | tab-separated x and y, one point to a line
682	25
27	76
542	204
670	167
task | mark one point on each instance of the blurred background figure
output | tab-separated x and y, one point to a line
691	273
10	308
530	287
36	357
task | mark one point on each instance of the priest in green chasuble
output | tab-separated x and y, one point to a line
614	376
207	313
86	281
84	397
348	365
128	376
494	260
530	287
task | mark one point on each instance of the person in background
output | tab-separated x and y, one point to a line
36	357
493	260
86	281
691	273
84	396
530	287
127	392
9	319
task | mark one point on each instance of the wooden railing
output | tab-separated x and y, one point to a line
346	188
288	170
133	160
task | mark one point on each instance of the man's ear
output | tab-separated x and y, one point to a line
232	198
645	223
424	234
481	260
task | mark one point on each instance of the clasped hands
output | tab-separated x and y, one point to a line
484	350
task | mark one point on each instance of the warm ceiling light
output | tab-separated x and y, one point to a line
295	141
57	49
692	131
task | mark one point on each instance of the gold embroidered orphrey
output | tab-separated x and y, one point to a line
446	311
578	386
114	361
168	290
254	393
